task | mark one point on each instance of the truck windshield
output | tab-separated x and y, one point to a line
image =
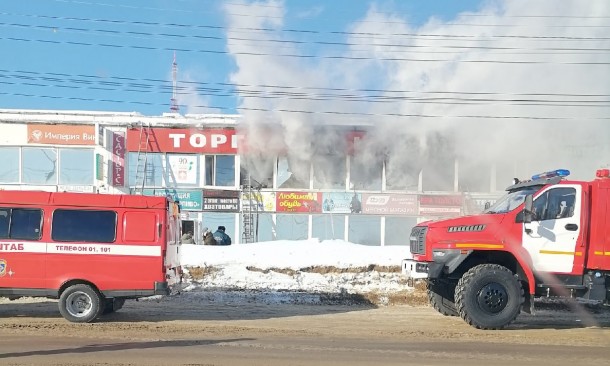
511	200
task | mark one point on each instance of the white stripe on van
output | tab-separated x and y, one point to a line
73	248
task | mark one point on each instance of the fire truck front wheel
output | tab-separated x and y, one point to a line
80	303
489	296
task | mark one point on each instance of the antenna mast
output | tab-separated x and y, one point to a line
174	101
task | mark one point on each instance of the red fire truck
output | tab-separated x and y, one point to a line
547	236
90	251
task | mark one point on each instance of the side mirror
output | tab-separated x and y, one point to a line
528	213
487	205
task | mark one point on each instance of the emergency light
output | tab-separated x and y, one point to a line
551	174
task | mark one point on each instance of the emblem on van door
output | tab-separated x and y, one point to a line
2	267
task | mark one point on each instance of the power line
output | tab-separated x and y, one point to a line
145	83
131	7
305	56
324	43
303	31
336	113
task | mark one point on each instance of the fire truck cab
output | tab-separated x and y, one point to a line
548	236
90	251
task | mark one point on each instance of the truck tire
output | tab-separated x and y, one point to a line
80	303
112	305
489	296
440	296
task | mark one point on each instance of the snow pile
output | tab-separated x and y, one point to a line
306	271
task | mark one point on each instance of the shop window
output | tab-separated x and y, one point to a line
213	220
153	172
291	227
365	173
76	166
329	171
220	170
292	173
365	230
328	227
39	165
9	169
257	171
398	230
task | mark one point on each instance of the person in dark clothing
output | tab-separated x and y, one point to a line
355	206
221	237
208	237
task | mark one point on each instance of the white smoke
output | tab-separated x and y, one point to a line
535	99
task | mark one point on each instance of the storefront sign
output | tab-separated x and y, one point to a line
61	134
189	199
440	205
75	188
183	168
389	204
204	141
298	202
118	159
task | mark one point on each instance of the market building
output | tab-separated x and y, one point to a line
209	164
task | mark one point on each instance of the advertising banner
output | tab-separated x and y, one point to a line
298	202
189	199
258	201
337	202
183	169
61	134
389	204
181	140
118	159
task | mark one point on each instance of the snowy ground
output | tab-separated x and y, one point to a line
307	271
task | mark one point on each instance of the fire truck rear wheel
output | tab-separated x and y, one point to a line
440	296
489	296
80	303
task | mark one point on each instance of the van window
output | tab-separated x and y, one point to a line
84	225
17	223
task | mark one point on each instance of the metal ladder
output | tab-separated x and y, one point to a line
248	234
144	172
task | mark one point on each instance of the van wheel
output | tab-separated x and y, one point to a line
489	296
80	304
112	305
440	296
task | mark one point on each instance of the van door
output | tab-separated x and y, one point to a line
22	252
551	238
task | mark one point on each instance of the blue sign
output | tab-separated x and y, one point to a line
188	199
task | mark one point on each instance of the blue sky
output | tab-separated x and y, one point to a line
493	80
52	54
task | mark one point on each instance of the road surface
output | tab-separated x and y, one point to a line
187	331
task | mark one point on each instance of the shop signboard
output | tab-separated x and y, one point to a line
61	134
182	140
298	202
220	201
189	199
118	159
440	205
389	204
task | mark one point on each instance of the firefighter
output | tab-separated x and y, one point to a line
221	237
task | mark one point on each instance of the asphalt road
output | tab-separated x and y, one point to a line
185	332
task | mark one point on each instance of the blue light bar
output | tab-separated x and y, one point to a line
551	174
